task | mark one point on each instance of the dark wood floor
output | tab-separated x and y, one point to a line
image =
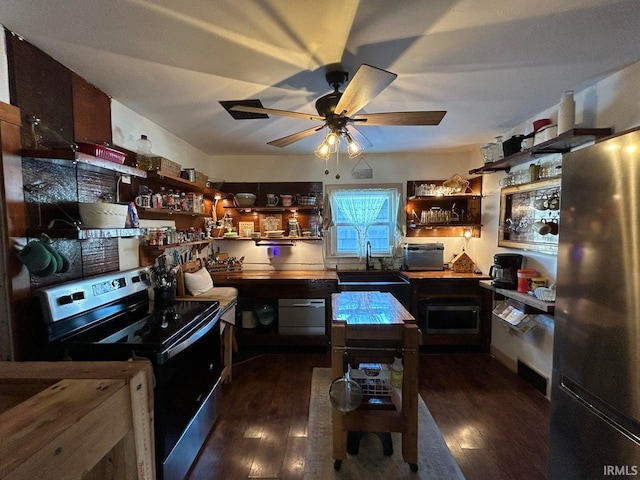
496	425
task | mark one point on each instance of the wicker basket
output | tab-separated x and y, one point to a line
159	163
224	267
201	178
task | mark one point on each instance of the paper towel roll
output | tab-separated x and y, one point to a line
566	112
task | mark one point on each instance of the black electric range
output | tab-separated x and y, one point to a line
112	317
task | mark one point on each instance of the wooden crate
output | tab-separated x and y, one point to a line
76	420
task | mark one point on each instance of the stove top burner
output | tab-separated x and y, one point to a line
114	310
160	327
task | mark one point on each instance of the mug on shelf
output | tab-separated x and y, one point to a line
554	202
541	203
272	199
287	200
143	201
542	227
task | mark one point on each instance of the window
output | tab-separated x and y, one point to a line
361	215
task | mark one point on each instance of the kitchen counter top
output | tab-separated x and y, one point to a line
276	275
288	275
444	274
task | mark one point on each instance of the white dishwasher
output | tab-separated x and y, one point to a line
301	316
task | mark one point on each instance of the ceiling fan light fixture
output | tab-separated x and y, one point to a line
353	147
323	151
332	139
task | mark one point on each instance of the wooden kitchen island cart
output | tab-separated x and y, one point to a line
372	327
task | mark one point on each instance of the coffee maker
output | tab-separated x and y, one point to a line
504	270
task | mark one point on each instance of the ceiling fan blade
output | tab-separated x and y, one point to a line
289	139
366	84
400	118
359	137
272	111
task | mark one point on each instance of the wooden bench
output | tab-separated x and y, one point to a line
228	298
90	420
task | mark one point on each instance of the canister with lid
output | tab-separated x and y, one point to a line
525	276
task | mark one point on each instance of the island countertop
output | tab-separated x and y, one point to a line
368	308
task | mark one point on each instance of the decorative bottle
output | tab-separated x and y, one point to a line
397	371
566	112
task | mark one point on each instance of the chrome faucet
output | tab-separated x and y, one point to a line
368	256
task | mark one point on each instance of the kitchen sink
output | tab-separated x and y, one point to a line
376	281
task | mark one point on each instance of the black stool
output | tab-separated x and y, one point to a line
353	442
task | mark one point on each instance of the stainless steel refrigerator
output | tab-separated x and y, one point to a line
595	404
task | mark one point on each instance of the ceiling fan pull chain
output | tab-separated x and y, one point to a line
337	165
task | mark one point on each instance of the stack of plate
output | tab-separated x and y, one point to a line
274	233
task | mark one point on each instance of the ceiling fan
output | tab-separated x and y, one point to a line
339	111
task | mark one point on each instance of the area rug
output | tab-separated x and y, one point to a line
435	462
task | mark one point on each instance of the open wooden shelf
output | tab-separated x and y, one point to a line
183	184
87	233
79	158
563	143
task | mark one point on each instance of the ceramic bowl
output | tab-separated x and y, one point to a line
103	215
244	199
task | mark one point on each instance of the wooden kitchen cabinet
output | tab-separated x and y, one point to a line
444	215
91	112
457	294
256	288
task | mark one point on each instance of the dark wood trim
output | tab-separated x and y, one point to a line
16	277
10	114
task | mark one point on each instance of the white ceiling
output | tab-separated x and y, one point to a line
490	63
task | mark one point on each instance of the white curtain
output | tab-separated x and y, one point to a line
360	208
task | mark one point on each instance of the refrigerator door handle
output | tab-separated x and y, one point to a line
627	426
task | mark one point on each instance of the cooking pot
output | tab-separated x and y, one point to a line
244	200
512	145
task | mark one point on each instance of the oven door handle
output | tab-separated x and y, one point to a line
190	338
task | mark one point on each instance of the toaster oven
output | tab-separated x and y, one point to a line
423	256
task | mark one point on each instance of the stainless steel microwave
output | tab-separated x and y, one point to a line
448	319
